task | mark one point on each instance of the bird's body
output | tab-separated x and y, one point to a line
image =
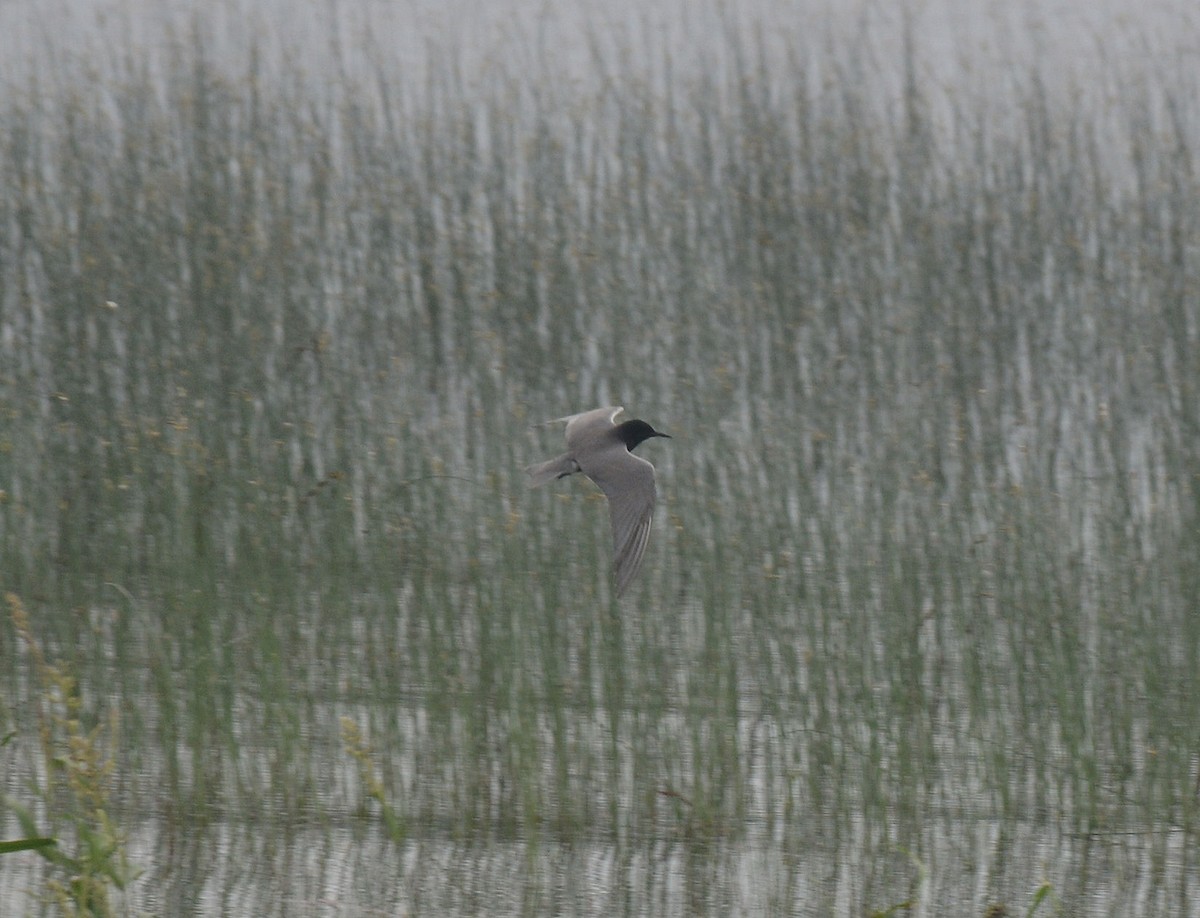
601	449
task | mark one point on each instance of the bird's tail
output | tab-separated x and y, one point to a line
558	467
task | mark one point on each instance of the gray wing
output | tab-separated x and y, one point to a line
628	483
583	427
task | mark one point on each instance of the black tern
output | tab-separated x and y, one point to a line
602	449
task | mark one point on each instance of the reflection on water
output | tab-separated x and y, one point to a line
916	631
854	848
342	869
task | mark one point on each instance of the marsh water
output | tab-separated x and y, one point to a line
914	289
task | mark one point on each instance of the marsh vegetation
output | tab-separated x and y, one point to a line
918	618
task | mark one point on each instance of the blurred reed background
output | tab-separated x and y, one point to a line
917	624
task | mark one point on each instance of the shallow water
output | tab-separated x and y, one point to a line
917	620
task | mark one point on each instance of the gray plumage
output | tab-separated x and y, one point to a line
601	449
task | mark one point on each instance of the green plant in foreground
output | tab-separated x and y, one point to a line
360	750
75	792
21	844
1041	894
25	844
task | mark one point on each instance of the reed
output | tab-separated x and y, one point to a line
924	567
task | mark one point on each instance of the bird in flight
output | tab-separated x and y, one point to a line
603	450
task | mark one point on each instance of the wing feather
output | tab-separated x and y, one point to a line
628	483
627	560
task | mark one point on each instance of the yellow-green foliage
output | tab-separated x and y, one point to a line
359	749
74	793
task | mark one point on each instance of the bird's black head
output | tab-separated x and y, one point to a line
634	432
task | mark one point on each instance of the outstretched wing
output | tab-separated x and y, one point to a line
628	483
